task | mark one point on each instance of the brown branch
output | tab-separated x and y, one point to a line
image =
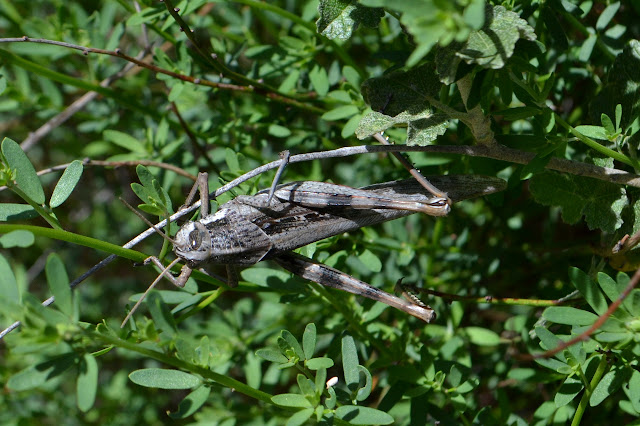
98	163
587	333
266	92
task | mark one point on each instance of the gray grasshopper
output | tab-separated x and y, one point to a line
267	225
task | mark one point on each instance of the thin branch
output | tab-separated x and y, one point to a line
271	94
490	299
77	105
596	325
194	140
88	162
497	152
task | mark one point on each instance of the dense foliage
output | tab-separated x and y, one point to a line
131	99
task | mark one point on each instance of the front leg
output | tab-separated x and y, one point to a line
179	282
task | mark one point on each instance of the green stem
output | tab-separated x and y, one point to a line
46	215
223	380
593	144
59	234
584	401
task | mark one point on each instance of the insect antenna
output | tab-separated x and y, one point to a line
145	220
153	284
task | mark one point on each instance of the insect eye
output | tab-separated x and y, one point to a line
195	239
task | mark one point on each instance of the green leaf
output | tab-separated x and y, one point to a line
340	18
37	375
370	260
357	415
571	387
8	284
607	124
319	80
622	87
607	15
403	91
25	176
365	390
272	355
161	313
350	363
87	384
300	417
488	47
164	379
125	141
589	290
587	48
14	211
192	403
608	286
568	315
351	75
341	112
66	184
293	343
318	363
309	340
17	238
474	14
291	400
279	131
306	385
609	384
549	340
58	281
601	203
482	336
594	132
633	390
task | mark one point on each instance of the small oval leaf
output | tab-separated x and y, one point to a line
8	284
482	337
87	384
568	315
357	415
17	238
309	340
58	281
26	177
291	400
66	184
164	379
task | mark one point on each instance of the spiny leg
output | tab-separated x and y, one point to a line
330	277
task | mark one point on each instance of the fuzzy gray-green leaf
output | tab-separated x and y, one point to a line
600	203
